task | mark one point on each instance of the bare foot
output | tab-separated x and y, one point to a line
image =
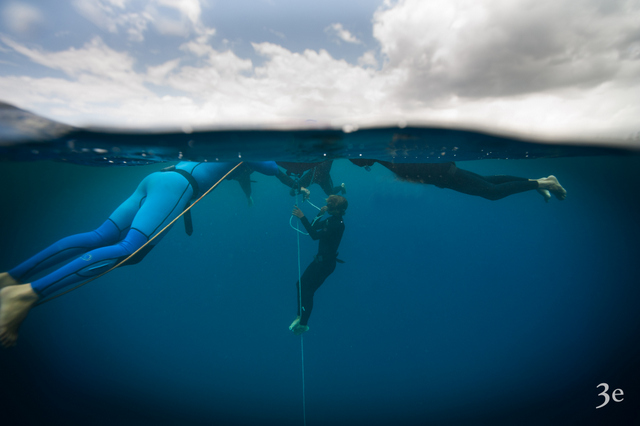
15	303
545	194
7	280
299	329
553	186
295	323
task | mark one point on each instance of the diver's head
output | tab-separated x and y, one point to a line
337	205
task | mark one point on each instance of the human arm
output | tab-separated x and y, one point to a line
297	212
286	180
294	185
313	230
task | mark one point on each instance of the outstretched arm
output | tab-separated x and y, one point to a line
286	180
294	185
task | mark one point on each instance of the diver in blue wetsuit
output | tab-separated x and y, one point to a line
159	199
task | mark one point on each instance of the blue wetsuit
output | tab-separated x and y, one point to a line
159	199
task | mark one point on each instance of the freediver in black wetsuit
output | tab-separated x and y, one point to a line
329	233
448	175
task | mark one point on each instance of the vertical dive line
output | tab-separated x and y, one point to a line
304	408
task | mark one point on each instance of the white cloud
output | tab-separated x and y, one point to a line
134	18
222	88
277	33
558	69
200	45
489	48
98	12
94	58
109	15
188	8
158	74
21	18
339	31
368	59
315	85
548	67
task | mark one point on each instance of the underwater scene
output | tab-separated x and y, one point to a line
283	212
451	307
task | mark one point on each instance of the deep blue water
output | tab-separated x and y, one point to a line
450	309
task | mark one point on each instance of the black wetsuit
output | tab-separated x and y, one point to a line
329	232
448	175
308	173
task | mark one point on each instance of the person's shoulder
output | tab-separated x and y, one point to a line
337	220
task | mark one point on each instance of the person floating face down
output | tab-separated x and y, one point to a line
329	234
157	200
448	175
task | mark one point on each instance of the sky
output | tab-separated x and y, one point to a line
562	69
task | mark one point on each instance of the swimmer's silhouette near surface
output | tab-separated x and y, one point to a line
448	175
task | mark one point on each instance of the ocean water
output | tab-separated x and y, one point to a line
450	309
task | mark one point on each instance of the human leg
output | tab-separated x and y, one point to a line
157	201
322	176
16	301
88	265
65	249
306	179
312	278
546	186
110	232
448	175
488	187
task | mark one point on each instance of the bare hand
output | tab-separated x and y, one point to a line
297	212
323	210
